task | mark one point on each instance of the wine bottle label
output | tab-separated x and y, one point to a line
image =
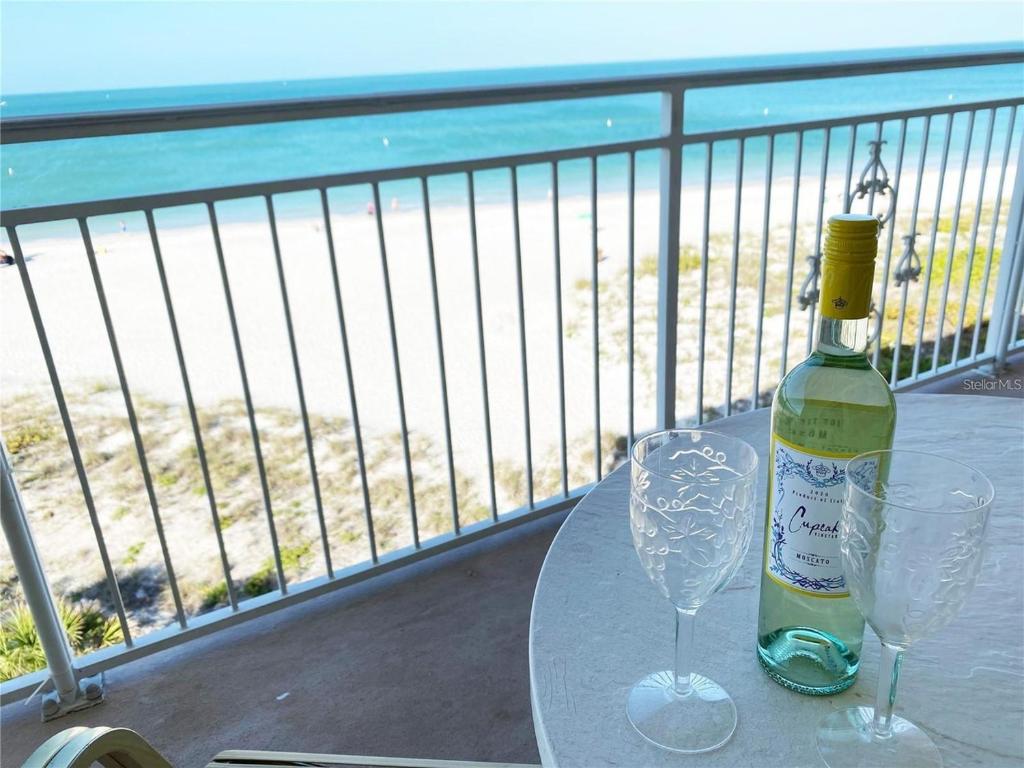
805	508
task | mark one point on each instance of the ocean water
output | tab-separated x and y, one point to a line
65	171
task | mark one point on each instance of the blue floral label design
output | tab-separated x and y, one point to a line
806	506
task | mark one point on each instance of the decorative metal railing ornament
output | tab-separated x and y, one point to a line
809	290
874	179
909	266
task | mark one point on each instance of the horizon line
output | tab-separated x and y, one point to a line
1007	45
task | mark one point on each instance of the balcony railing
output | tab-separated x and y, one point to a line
948	298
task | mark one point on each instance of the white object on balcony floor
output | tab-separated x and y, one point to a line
598	627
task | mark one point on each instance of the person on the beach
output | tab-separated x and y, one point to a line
6	258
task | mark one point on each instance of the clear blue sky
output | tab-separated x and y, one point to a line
57	46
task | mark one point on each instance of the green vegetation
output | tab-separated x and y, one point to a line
166	479
262	581
88	629
510	477
292	557
49	484
213	596
132	555
25	436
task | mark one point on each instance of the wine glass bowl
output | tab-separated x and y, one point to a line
918	545
912	535
691	518
688	506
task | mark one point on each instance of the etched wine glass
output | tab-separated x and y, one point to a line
911	541
691	515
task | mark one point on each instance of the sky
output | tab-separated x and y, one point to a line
65	46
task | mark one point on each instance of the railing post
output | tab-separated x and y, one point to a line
670	182
1011	263
69	693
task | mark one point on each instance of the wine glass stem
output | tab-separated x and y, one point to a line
684	649
885	698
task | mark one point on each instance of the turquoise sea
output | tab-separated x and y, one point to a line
52	172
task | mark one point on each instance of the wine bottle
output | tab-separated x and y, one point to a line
829	408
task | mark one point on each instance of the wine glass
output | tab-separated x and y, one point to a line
691	516
911	533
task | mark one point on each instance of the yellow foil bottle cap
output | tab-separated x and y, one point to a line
849	266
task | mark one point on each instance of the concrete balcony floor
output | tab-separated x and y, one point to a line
429	661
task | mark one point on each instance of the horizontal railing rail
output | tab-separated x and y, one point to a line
114	123
710	290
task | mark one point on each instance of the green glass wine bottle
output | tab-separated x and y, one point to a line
829	408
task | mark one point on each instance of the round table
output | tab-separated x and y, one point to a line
598	625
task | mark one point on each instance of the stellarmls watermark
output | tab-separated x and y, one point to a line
1011	384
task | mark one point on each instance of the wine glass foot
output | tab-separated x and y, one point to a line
700	720
846	740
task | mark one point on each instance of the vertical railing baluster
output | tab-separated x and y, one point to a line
953	232
133	422
925	289
1011	320
1011	267
731	339
811	327
983	292
1014	336
891	226
350	381
595	317
763	274
50	633
560	339
299	388
969	268
703	321
851	150
521	309
247	395
69	432
791	261
204	467
905	288
669	185
399	391
440	356
630	277
475	252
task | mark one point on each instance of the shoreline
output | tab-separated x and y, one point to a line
174	218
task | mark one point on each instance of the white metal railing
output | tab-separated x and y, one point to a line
671	377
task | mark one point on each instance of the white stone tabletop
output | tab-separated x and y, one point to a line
598	625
